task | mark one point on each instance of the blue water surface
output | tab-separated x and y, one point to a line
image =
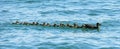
106	12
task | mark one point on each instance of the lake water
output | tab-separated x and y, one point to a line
106	12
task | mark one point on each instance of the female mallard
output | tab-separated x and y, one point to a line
91	26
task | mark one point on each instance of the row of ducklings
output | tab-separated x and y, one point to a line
60	25
48	24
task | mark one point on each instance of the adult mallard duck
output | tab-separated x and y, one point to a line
91	26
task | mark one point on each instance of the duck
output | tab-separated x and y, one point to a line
91	26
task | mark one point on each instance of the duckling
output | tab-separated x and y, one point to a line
68	25
75	25
79	27
25	23
47	24
43	24
55	25
36	23
33	23
91	26
62	25
17	22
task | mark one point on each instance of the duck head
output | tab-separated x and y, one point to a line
98	24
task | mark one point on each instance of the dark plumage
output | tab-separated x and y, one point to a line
33	23
91	26
62	25
36	23
68	25
75	25
48	24
55	25
25	23
17	22
43	24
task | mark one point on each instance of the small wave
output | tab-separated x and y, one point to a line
110	48
15	47
63	12
65	46
89	12
4	10
31	1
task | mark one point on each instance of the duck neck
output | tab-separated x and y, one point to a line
97	25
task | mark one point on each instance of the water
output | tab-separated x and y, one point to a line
106	12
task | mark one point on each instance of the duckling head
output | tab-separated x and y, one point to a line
17	21
67	25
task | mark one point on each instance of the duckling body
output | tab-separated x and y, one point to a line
55	25
62	25
75	25
33	23
43	24
48	24
68	25
36	23
25	23
17	22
